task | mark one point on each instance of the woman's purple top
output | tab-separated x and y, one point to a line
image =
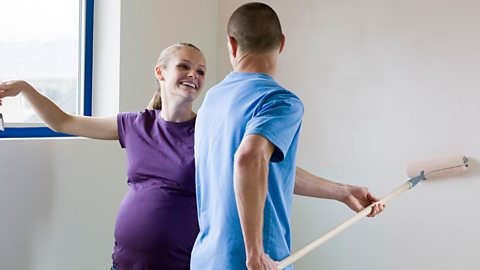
157	222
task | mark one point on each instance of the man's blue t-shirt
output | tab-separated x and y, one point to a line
243	104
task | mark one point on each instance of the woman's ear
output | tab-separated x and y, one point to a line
158	73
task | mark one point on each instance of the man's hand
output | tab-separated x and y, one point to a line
358	198
261	262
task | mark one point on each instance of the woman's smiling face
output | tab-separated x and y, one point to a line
184	75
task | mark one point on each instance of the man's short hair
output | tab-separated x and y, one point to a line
255	27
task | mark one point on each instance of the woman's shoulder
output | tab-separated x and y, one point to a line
147	113
142	117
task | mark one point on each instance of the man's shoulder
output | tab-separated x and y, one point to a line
282	95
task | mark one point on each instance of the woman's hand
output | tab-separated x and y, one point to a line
11	88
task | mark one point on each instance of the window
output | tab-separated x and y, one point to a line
49	44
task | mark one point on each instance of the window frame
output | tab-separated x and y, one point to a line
86	92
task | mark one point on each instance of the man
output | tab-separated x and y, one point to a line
245	146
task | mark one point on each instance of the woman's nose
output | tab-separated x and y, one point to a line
192	73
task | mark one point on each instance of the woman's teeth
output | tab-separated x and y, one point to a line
189	85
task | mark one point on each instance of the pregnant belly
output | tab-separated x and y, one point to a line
156	221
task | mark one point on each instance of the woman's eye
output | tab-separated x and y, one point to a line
183	66
201	72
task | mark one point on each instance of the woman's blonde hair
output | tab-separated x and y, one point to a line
156	101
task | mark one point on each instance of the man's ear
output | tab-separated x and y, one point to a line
282	43
232	46
158	73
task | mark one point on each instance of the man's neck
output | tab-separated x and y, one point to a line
256	63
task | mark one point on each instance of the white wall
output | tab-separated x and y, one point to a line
58	202
59	197
384	83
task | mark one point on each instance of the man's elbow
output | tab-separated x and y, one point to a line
249	160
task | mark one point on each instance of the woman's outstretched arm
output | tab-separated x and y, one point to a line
104	128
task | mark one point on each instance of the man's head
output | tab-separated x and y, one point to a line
255	28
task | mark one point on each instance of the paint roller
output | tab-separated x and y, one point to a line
417	171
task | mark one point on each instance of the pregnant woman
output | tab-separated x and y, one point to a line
157	224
